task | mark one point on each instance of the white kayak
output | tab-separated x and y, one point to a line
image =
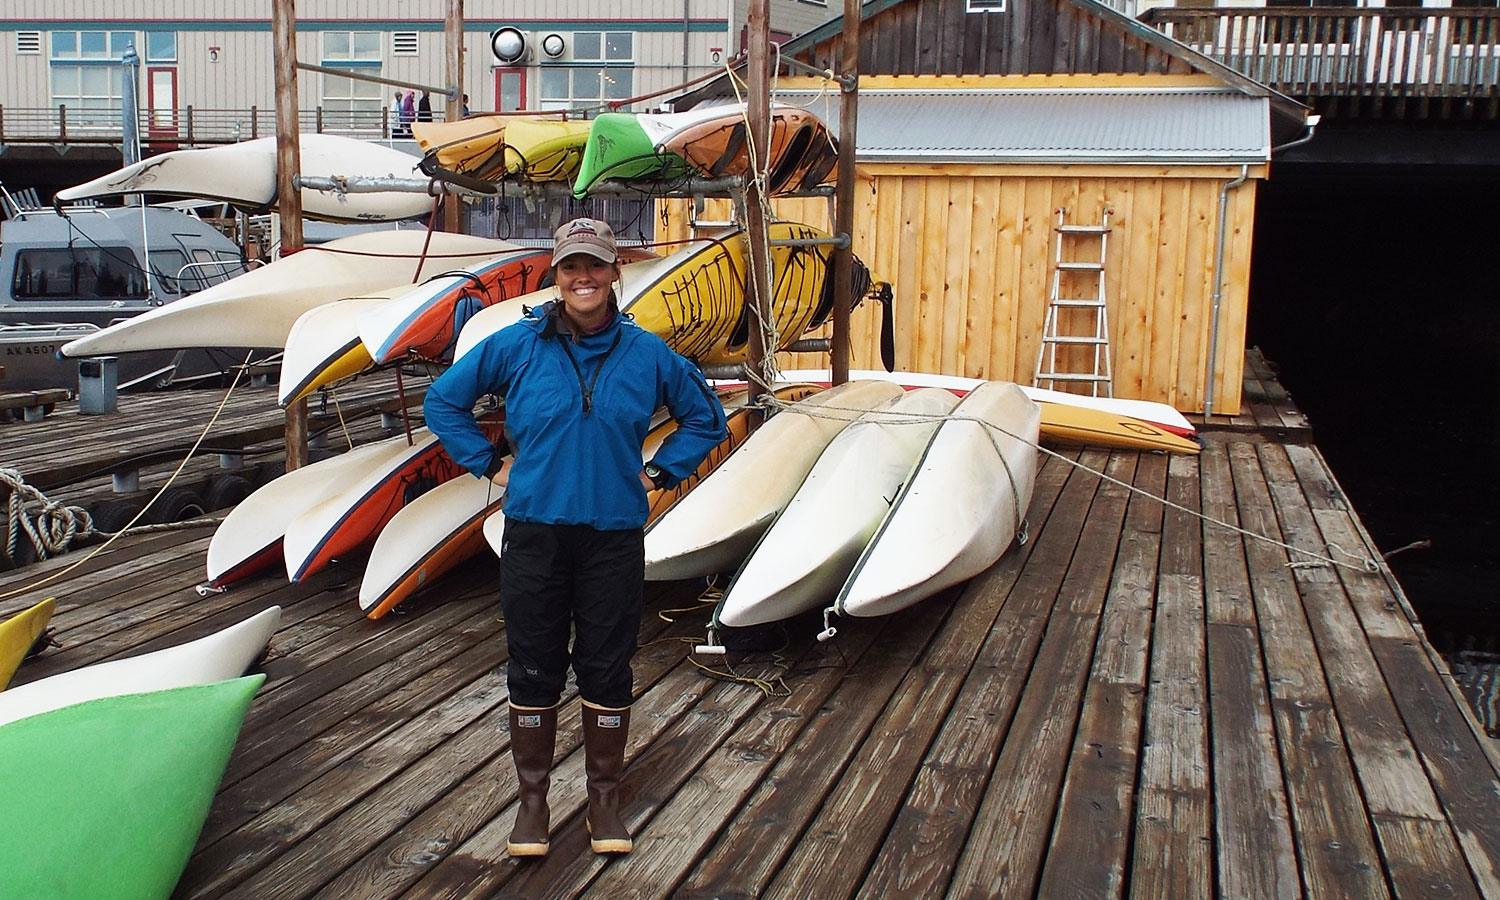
494	532
959	511
244	174
813	544
258	309
222	655
713	528
249	539
1146	410
324	346
430	535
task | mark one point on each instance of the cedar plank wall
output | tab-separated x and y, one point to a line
968	249
969	257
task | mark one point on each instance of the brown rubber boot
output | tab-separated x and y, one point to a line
604	733
533	736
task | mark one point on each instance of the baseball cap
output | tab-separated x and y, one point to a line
589	236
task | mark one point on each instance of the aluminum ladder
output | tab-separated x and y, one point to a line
1099	376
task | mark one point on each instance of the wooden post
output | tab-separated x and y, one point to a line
758	282
843	259
454	45
288	198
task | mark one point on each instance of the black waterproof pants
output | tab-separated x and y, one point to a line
557	579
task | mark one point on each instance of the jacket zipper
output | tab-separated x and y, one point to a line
586	390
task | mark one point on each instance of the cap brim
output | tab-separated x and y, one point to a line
599	253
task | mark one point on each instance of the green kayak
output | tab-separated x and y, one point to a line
105	799
618	148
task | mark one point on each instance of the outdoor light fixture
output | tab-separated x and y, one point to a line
508	44
553	45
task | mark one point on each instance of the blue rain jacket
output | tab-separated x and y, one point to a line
577	411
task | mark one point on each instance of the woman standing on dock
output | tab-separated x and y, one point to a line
580	383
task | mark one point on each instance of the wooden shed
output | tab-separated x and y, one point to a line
979	121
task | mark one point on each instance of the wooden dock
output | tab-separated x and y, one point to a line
1132	704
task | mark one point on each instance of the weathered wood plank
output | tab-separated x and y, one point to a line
1173	851
1226	584
1336	846
1090	846
1252	827
921	850
1004	852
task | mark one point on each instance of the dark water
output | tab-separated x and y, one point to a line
1378	295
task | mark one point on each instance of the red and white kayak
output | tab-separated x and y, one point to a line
249	540
424	320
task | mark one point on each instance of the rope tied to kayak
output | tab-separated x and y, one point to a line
49	525
1351	561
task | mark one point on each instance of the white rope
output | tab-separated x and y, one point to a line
49	525
1359	563
224	402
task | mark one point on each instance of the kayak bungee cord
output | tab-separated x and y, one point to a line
1359	563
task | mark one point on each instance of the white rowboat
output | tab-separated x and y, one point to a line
713	528
960	510
222	655
811	547
258	309
1146	410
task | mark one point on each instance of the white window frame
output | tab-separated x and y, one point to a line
352	105
87	106
600	67
984	6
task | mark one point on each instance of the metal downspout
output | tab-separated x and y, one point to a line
1218	296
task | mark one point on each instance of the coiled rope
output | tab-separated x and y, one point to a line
50	525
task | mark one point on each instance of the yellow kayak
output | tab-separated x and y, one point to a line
699	307
490	148
18	634
1079	425
545	149
473	146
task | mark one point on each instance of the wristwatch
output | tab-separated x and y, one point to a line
657	474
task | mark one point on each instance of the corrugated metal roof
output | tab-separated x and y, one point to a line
1172	125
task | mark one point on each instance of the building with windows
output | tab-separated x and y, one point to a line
205	72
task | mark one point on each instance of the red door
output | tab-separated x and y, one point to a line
510	89
161	104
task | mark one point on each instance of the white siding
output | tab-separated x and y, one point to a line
242	75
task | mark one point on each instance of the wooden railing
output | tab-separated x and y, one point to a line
185	127
1314	52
